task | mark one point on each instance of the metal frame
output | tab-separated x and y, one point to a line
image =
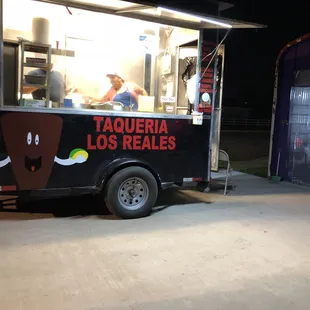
161	20
217	115
97	112
48	70
223	156
16	45
213	105
133	9
198	70
131	14
176	79
273	117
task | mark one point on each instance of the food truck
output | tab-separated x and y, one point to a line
111	98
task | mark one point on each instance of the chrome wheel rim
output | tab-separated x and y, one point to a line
133	194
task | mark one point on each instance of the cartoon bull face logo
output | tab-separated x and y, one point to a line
32	141
33	164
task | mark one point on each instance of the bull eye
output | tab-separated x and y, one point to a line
37	140
29	138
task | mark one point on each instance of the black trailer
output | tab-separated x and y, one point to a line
125	157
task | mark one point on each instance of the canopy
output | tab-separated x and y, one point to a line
163	15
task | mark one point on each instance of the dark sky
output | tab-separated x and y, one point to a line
251	54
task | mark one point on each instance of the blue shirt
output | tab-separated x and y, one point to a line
57	86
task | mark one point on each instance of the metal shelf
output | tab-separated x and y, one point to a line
26	46
34	65
35	85
60	52
36	48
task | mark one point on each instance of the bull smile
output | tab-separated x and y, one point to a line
33	165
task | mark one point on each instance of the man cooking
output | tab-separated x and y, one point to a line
123	92
57	86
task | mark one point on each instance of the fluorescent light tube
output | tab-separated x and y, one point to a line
204	19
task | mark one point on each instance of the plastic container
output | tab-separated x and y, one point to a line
197	118
68	103
41	30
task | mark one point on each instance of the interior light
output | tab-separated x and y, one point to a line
204	19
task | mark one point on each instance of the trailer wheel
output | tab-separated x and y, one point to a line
131	193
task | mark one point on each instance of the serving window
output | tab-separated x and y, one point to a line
103	61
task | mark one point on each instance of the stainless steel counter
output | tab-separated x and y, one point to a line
96	112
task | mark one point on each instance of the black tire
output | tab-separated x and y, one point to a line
131	193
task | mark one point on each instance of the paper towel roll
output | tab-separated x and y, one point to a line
191	88
41	30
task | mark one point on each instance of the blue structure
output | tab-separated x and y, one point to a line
290	132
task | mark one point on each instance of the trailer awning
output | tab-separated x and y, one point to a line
163	15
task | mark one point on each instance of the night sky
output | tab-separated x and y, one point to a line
251	54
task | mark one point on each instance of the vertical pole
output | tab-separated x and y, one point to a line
214	147
48	80
21	86
198	71
218	94
273	117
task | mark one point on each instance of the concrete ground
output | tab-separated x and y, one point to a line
248	250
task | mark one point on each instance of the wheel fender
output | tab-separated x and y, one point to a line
108	171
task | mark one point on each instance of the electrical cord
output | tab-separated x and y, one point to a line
167	48
214	54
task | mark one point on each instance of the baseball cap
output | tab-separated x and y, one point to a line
111	73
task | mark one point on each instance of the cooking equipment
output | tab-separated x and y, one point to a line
36	79
111	106
85	106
